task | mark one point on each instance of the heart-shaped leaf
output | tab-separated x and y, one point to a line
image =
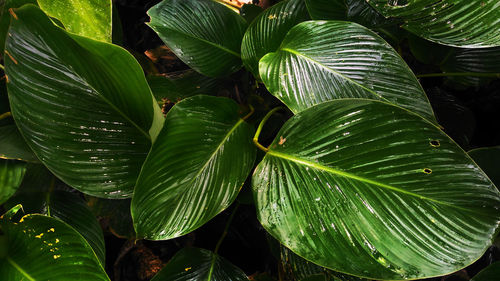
195	168
461	23
44	248
267	31
323	60
199	264
89	18
11	176
86	113
204	34
370	189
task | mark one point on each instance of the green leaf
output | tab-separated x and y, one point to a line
267	31
372	190
69	208
88	18
95	98
460	23
116	215
5	5
488	158
351	10
43	248
489	273
11	176
13	146
204	34
180	85
323	60
194	170
479	63
199	264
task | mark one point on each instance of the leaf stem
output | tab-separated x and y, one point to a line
261	125
5	115
226	228
252	110
459	74
2	67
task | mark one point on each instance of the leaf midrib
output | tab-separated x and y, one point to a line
294	52
200	39
19	269
321	167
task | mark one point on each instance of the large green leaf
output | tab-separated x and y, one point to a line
194	170
192	264
11	176
44	248
488	158
204	34
66	206
461	23
89	18
267	31
324	60
370	189
86	113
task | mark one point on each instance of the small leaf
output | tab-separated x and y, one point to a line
369	189
88	18
267	31
460	23
43	248
11	176
323	60
101	112
204	34
194	170
199	264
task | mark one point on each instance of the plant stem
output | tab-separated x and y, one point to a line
252	110
2	67
226	228
459	74
5	115
261	125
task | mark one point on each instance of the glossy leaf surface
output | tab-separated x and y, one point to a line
11	176
5	5
372	190
204	34
66	206
488	158
194	170
192	264
44	248
95	98
461	23
89	18
482	61
320	61
267	31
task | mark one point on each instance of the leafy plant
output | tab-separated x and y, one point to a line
303	110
